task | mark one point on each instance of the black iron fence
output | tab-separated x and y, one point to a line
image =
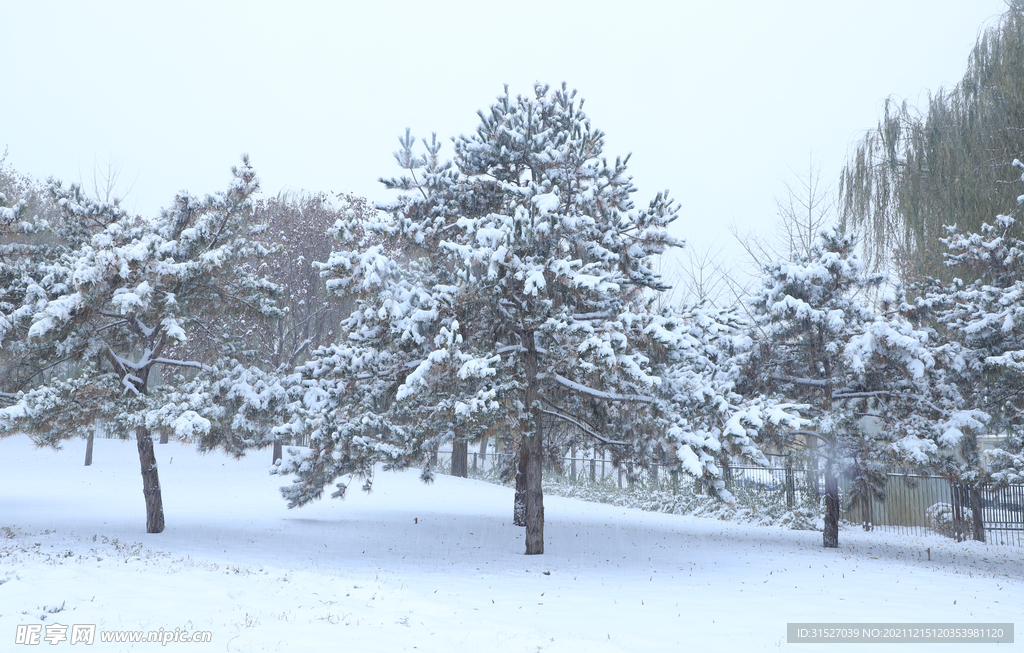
909	503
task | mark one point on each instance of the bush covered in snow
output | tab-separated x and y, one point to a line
941	520
750	506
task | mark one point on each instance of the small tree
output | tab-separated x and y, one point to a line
119	302
984	318
877	386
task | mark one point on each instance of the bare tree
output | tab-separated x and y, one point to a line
807	208
296	237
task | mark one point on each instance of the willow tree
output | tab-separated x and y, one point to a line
947	163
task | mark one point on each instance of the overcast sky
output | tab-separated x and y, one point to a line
719	102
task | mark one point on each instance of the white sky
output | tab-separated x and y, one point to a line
720	102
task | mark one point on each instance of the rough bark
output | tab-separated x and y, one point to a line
533	446
830	536
519	505
534	492
483	451
460	458
150	483
278	452
88	447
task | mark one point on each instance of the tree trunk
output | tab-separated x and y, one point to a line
533	451
88	447
534	491
163	437
460	458
830	536
960	501
978	518
278	452
519	507
150	483
868	515
483	452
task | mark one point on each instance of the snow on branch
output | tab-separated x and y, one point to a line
801	381
610	396
857	395
170	361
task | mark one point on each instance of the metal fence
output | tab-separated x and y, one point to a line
913	503
917	504
1004	514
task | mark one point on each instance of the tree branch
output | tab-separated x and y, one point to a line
168	361
582	428
802	381
579	387
854	395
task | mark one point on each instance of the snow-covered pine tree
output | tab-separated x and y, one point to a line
985	316
116	307
510	287
877	385
26	245
295	237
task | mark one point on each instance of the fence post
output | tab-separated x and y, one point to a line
572	465
474	461
593	470
790	489
956	489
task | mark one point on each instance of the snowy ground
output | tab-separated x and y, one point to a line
440	567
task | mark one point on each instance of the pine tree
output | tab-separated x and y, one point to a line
25	247
118	305
508	288
984	317
877	385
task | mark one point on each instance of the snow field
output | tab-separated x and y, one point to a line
440	567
